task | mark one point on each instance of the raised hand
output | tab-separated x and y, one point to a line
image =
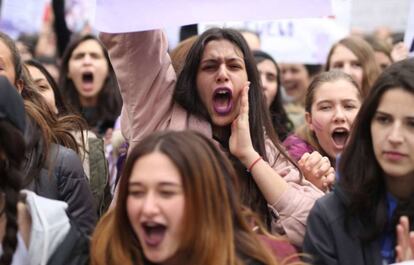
405	241
240	142
317	169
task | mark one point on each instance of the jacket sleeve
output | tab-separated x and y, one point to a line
319	241
292	209
73	188
146	79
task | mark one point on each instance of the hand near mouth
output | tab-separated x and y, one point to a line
240	142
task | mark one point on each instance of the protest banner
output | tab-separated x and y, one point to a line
127	16
23	16
409	32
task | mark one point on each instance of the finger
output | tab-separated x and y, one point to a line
313	160
303	159
244	104
324	166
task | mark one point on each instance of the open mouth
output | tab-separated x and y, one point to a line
340	137
87	78
222	101
154	233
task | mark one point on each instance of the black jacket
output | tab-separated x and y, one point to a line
61	177
67	182
327	240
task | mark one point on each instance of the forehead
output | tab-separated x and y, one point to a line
155	168
397	101
221	48
89	45
5	52
267	65
35	72
336	90
341	52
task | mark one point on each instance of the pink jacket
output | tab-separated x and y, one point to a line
147	80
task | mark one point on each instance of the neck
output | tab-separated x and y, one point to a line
88	102
401	187
222	135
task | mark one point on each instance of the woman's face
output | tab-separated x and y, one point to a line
268	75
45	89
88	69
392	131
220	80
345	60
382	60
295	80
155	206
333	111
6	63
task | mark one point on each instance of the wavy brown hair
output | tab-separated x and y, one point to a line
365	54
213	212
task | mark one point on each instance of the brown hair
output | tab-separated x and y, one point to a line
365	54
43	121
326	77
179	53
213	212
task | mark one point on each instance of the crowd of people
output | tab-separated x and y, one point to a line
119	150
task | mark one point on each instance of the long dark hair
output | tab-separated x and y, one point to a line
43	126
362	178
213	212
13	147
109	100
186	94
281	122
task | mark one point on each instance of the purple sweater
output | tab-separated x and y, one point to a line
296	147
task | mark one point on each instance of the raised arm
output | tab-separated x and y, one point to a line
146	79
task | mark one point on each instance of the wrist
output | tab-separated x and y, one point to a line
249	158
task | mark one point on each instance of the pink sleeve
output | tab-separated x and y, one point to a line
293	207
146	79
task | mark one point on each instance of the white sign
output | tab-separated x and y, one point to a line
135	15
295	40
409	32
21	16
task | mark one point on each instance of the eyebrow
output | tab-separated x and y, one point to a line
163	184
215	60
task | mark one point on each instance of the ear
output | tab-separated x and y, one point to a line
19	86
308	119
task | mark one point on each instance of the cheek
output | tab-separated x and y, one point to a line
318	123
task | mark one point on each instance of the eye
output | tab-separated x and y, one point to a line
235	66
136	193
410	123
337	65
383	119
325	107
167	193
350	107
208	67
356	64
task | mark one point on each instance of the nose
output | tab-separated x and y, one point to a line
264	81
347	69
396	135
87	59
339	115
222	75
150	205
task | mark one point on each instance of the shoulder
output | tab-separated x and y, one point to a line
66	161
331	207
